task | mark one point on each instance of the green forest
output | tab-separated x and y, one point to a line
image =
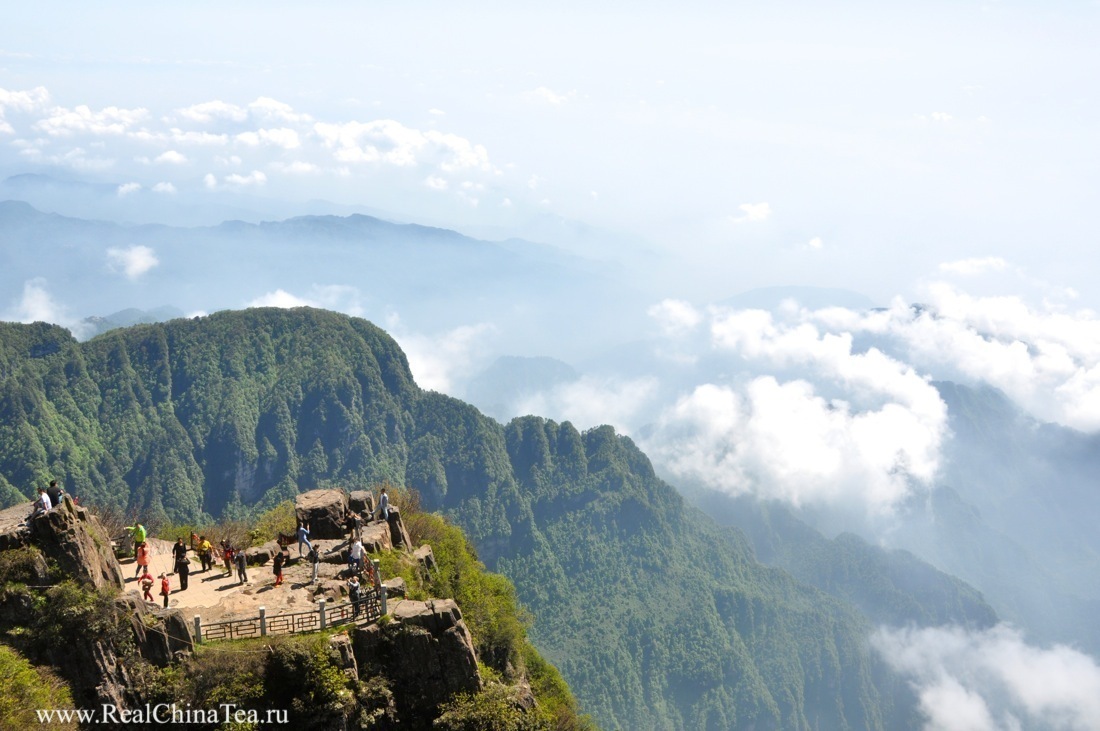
657	617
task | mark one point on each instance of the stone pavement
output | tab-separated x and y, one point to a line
216	595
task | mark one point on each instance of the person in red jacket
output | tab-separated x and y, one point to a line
165	589
147	586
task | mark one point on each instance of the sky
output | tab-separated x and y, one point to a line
847	145
942	153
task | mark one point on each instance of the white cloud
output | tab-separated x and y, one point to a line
268	108
816	243
1045	359
386	141
63	122
675	317
752	213
839	426
993	679
132	262
974	265
280	298
297	167
171	157
207	112
20	101
37	305
127	188
281	137
164	187
336	297
436	112
591	401
236	180
436	361
435	182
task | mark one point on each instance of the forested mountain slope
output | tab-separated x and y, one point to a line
658	617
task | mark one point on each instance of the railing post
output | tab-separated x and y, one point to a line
198	629
263	621
321	608
378	586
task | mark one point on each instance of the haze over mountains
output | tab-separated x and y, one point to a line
830	268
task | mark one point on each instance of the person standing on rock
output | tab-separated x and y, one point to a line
314	557
354	595
241	559
277	567
165	589
384	505
142	552
303	538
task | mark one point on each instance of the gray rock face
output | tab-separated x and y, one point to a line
261	555
395	587
398	536
362	502
73	537
426	653
323	511
425	558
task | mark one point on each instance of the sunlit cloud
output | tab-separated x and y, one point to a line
133	261
752	213
991	680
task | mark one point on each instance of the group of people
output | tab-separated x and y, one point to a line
145	579
48	499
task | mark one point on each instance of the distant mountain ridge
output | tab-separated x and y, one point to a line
658	617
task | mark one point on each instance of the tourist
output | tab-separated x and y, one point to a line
205	551
147	587
142	552
354	595
55	492
41	504
137	532
165	589
227	556
355	557
241	559
314	557
179	552
183	568
384	505
277	566
303	538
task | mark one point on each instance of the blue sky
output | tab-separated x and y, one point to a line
884	139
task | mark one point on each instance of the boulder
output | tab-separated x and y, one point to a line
425	558
160	634
398	536
341	651
14	531
377	537
426	653
362	502
260	555
395	587
323	511
74	538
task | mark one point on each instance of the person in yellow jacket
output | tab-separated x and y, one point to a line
206	553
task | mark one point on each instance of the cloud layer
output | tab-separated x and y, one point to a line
993	680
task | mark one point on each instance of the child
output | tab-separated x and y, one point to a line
277	567
147	587
142	559
165	589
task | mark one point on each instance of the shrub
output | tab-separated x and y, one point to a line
28	688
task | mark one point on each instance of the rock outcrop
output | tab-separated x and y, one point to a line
74	538
323	511
426	653
362	502
398	536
